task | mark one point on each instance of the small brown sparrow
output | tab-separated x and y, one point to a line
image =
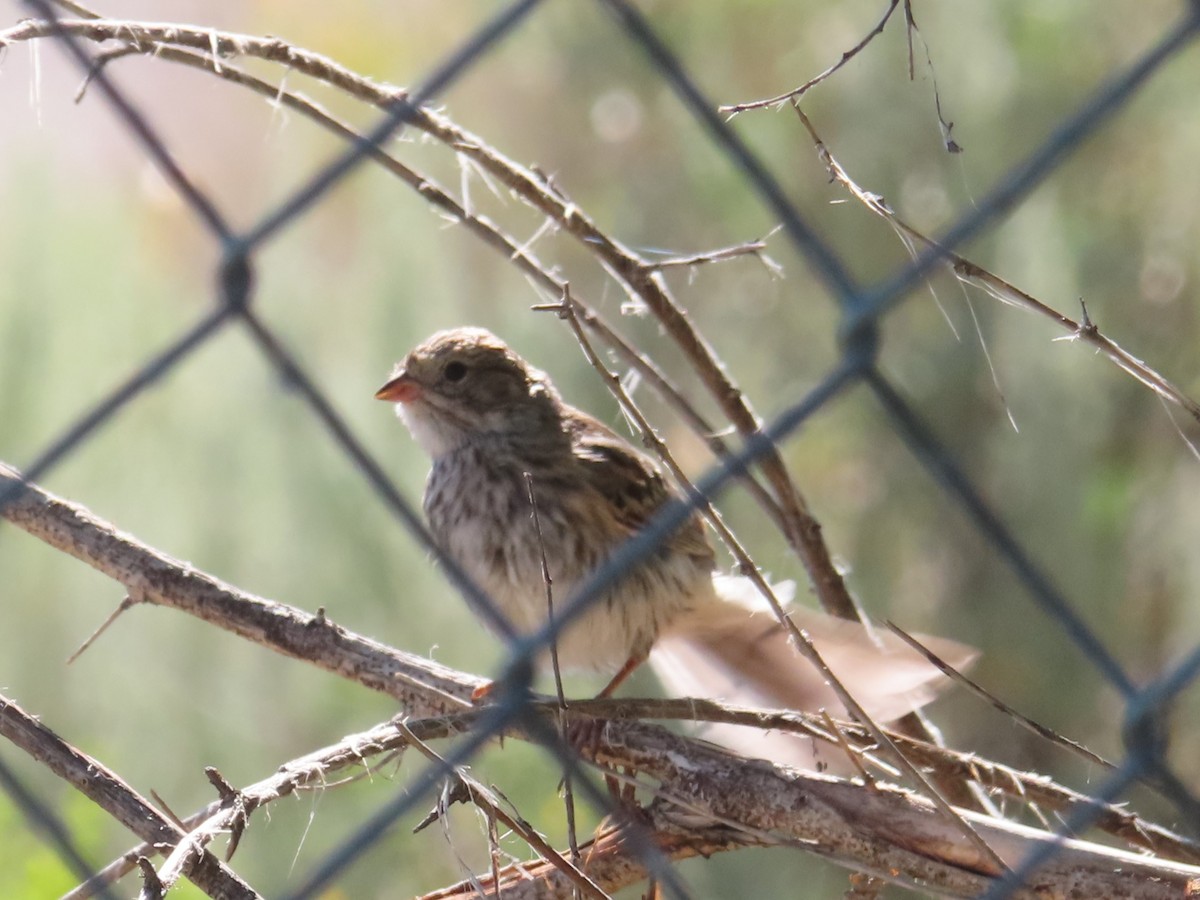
487	417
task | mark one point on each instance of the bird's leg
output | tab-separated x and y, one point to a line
587	733
635	660
483	692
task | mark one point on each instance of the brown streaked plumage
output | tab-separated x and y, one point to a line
486	417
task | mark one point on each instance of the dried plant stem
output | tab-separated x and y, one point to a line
423	688
424	685
797	92
121	801
802	643
567	788
485	800
964	270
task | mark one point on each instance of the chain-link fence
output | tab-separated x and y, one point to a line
958	791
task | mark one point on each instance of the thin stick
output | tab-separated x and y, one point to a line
126	604
483	798
662	385
979	691
799	638
568	791
95	781
748	248
852	754
1083	331
796	93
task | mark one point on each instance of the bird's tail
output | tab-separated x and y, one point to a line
737	652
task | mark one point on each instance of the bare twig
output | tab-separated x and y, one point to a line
126	604
1024	721
548	582
749	248
568	791
424	689
910	23
969	273
313	771
77	9
662	385
852	754
91	778
796	93
487	801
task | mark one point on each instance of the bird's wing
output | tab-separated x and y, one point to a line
630	481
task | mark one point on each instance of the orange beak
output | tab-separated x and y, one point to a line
401	389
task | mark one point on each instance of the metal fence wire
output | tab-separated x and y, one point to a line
862	308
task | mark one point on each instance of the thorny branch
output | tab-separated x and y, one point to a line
117	798
750	248
484	799
969	273
803	645
911	30
422	688
798	92
763	797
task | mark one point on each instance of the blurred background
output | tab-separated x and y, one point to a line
101	266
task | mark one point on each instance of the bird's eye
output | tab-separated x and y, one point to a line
455	371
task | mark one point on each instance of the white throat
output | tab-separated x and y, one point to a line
434	437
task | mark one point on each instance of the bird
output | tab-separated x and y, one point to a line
496	428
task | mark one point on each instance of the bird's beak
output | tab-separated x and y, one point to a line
400	389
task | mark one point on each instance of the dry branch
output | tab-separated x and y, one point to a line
885	831
882	831
968	272
486	800
422	687
317	770
314	771
608	858
118	799
795	93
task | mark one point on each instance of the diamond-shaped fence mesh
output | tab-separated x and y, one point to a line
964	802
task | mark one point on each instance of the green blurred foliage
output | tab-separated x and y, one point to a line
222	465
